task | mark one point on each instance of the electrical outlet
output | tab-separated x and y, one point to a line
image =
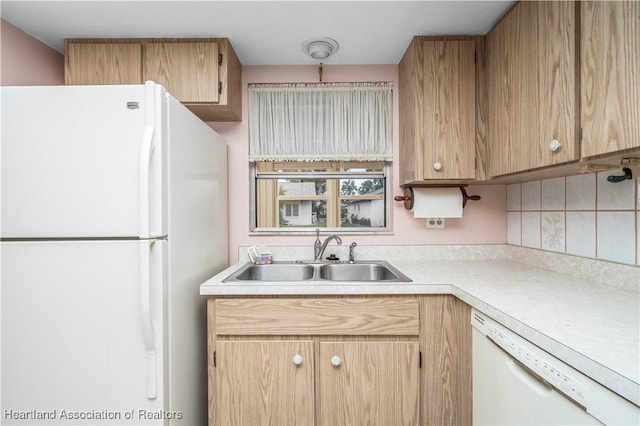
435	223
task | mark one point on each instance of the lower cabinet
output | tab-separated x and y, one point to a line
264	382
338	361
369	383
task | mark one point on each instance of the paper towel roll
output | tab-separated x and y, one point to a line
437	202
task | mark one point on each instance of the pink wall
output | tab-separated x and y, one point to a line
25	61
484	221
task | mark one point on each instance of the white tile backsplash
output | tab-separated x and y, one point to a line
553	194
583	215
514	228
615	196
531	229
581	192
513	197
531	195
581	233
614	240
553	231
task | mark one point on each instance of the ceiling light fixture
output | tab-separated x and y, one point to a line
320	48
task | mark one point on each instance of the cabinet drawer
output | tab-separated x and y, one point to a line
375	316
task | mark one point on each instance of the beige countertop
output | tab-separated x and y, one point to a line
591	326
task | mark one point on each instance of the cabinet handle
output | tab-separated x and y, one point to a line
297	359
336	361
554	145
437	166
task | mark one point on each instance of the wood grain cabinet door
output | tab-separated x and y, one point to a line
103	63
372	383
610	70
260	383
189	70
532	87
449	109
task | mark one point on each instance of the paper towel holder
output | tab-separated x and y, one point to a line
408	195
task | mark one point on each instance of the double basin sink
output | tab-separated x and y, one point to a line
367	271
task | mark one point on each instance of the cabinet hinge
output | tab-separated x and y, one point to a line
219	88
580	134
220	59
475	57
214	359
419	359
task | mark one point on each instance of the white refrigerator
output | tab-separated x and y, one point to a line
114	211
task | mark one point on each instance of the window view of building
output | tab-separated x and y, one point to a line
297	195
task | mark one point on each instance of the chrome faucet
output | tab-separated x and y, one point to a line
318	250
352	258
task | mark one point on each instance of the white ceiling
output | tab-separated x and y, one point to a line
261	32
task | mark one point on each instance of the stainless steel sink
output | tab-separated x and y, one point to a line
358	272
365	271
274	272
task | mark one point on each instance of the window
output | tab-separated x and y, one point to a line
291	196
320	156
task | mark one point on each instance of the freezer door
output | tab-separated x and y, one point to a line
82	332
83	161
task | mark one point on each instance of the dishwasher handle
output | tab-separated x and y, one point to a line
522	368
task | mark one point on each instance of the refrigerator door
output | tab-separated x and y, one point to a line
83	161
197	251
82	332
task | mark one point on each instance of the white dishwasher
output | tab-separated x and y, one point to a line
517	383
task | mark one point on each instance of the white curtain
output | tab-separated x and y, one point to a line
320	122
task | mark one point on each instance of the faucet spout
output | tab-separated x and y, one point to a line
319	251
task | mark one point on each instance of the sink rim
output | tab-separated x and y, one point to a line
316	275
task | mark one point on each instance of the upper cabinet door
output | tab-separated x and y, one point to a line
437	100
610	69
189	71
532	88
449	109
103	63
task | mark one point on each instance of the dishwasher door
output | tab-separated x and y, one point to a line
517	383
505	393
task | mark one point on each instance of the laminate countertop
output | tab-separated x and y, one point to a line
593	327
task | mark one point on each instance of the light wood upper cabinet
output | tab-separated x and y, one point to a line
532	88
437	93
359	360
189	69
101	63
204	74
610	70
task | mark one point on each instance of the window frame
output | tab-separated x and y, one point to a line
333	195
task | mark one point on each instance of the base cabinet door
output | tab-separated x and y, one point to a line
373	383
264	382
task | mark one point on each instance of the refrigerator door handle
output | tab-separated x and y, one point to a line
147	321
146	152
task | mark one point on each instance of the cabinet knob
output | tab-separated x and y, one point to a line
336	361
554	145
437	166
297	359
